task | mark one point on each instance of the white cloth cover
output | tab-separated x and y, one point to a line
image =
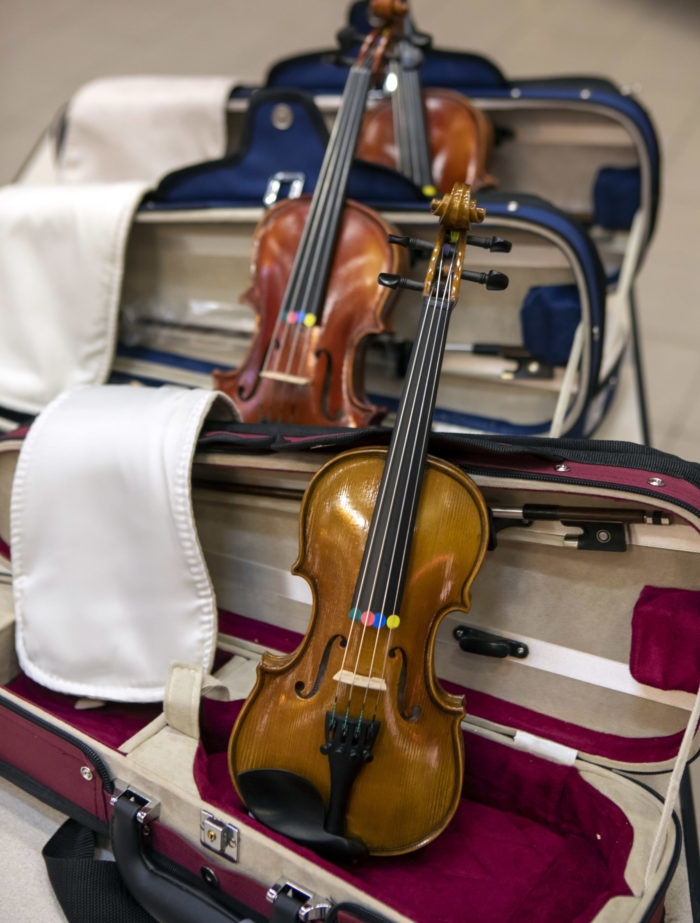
110	584
141	128
61	265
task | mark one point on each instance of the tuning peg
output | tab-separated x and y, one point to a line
423	247
420	39
494	244
394	280
493	280
410	55
348	37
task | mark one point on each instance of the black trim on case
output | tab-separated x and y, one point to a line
92	755
51	798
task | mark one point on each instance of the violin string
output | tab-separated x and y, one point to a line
327	209
299	274
432	361
412	487
387	501
375	532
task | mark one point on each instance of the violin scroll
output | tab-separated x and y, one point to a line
456	212
389	10
457	209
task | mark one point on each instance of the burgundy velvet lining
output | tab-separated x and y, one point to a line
665	648
530	841
637	750
5	550
269	636
111	724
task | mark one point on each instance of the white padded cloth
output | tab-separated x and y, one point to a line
110	583
61	265
141	128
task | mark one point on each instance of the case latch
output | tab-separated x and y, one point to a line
295	182
475	641
221	838
309	906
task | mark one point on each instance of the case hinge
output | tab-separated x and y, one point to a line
150	809
221	838
310	906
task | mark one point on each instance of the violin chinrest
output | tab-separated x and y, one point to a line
291	805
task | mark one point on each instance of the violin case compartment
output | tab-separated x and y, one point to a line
544	356
578	660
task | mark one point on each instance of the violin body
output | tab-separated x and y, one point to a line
460	139
410	789
316	373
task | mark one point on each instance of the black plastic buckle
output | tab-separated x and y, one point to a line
475	641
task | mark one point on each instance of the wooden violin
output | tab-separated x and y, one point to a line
349	744
314	269
436	137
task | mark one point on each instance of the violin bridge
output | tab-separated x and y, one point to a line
286	378
364	682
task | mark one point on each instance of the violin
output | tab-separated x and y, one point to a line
349	745
435	137
314	268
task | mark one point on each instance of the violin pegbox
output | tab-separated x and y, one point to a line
456	211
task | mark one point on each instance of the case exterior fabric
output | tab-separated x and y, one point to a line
110	584
61	266
139	128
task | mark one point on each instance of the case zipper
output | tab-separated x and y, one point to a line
92	755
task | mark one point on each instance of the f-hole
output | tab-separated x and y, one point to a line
401	688
271	347
326	409
322	667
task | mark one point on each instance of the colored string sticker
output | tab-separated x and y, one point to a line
374	619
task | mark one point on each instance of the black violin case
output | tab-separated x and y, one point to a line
578	659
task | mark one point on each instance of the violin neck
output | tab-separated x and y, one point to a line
307	283
383	570
410	130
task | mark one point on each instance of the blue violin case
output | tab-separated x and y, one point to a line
613	187
547	305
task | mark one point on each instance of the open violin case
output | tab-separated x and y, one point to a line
580	142
544	357
578	659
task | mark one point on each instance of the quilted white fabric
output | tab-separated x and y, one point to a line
141	128
61	266
110	583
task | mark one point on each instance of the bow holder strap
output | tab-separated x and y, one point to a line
110	584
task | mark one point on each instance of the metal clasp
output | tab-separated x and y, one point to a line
221	838
150	809
295	182
312	906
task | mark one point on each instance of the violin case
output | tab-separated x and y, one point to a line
544	357
581	142
578	659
